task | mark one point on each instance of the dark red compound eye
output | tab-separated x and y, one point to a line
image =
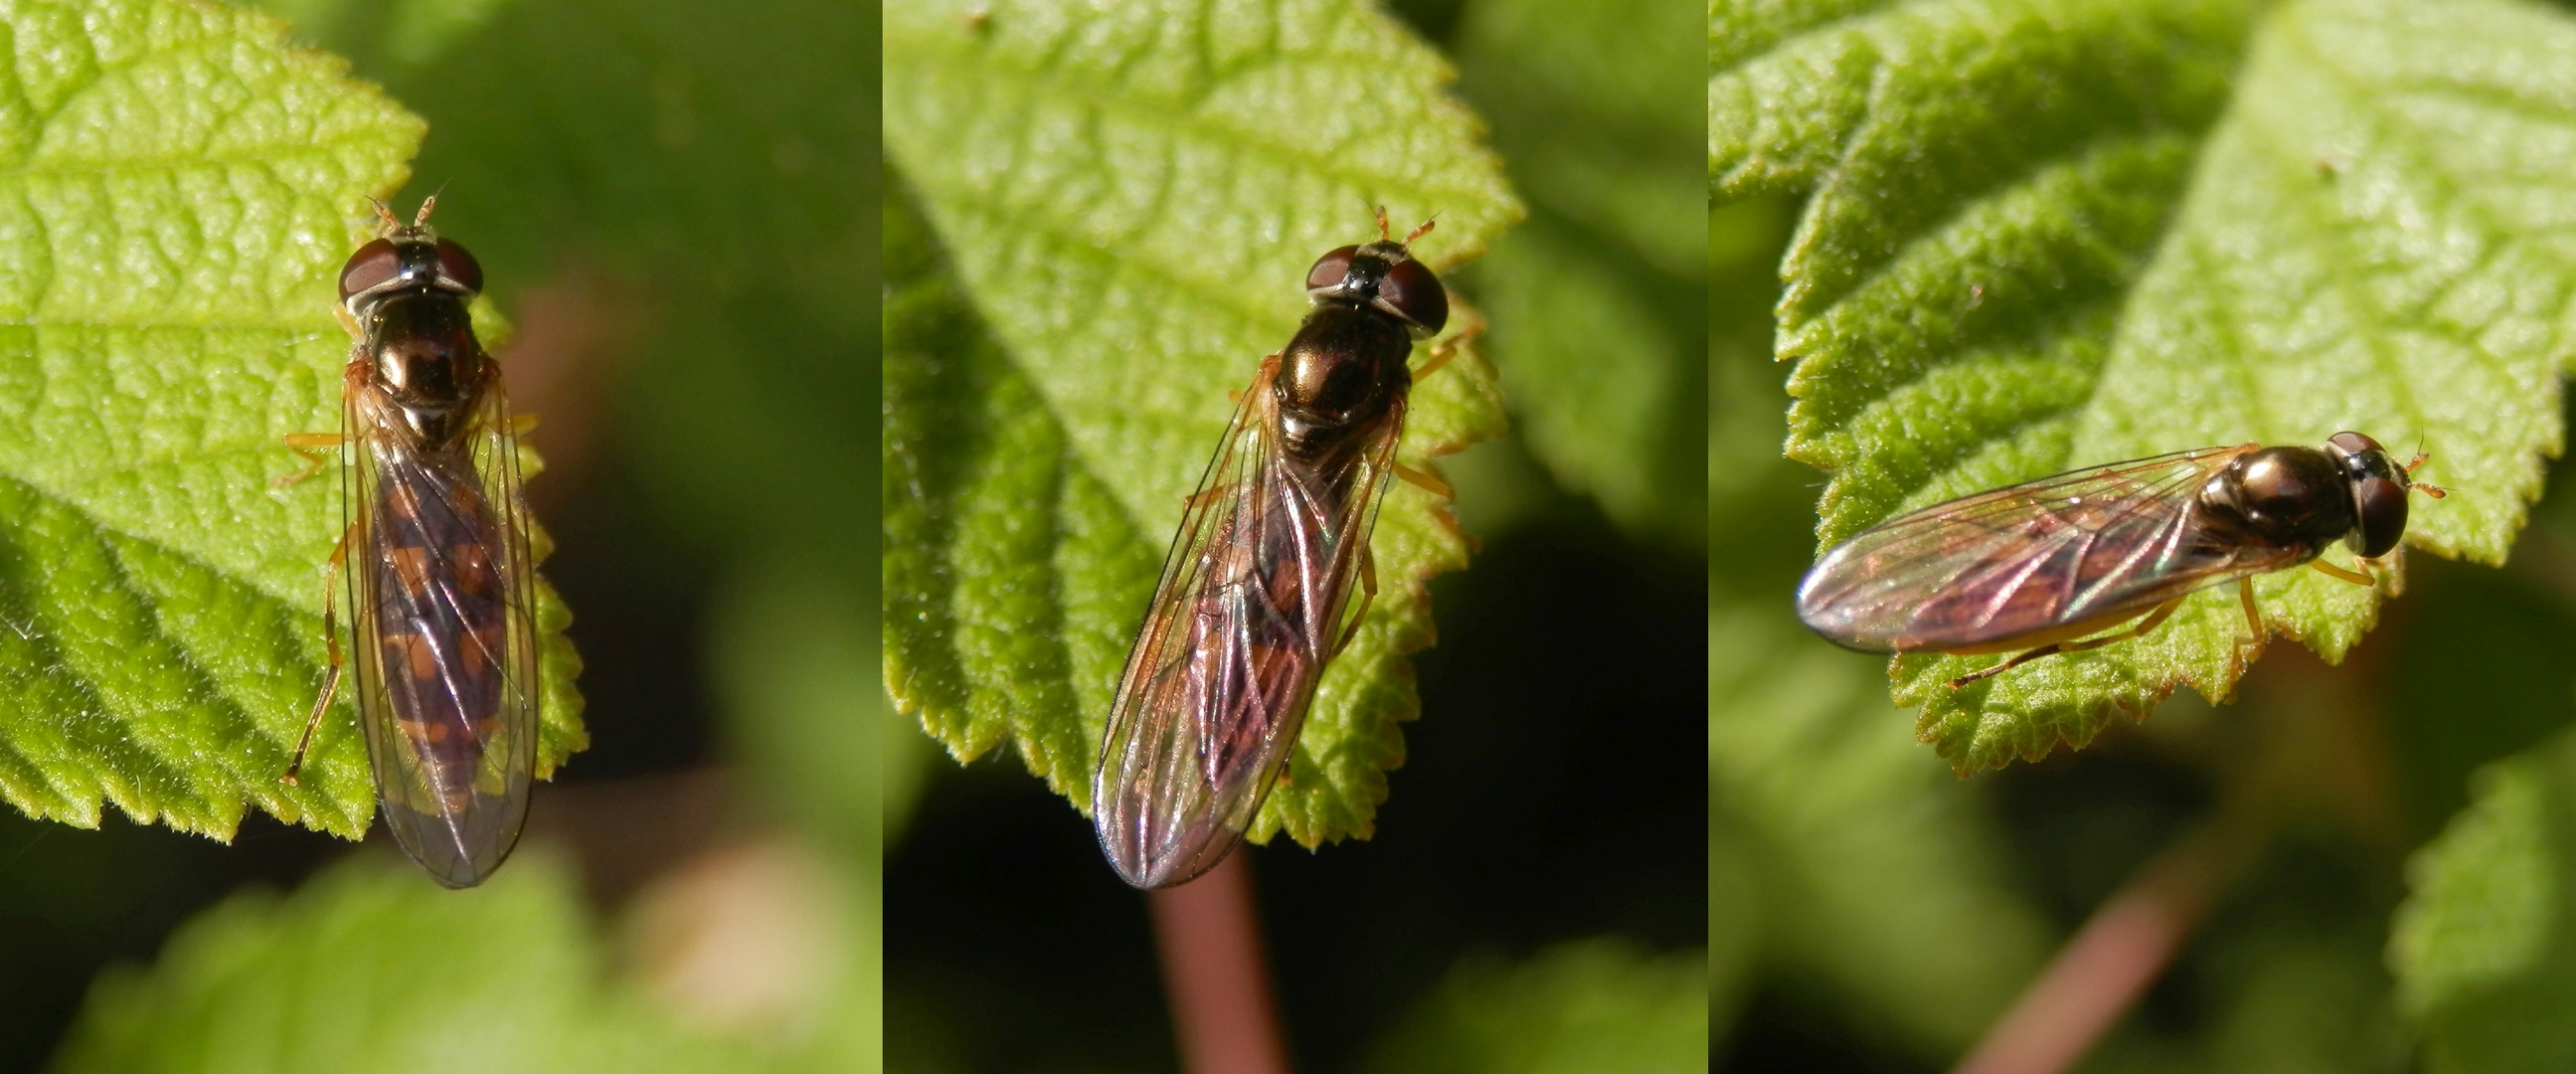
2383	515
373	265
1330	269
2378	493
459	267
1412	291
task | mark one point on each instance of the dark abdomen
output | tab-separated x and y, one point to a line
441	614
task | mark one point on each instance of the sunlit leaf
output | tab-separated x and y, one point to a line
1116	209
181	189
2052	234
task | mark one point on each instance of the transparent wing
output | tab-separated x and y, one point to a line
1247	612
442	592
2077	547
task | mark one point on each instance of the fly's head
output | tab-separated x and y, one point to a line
407	257
1383	276
408	290
2378	487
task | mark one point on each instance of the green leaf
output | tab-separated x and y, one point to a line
1126	200
804	714
1587	1005
1875	877
182	188
369	968
1598	322
2484	947
2048	235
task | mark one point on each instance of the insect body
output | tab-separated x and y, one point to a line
2046	565
436	558
1252	599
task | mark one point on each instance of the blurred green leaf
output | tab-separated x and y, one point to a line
368	968
1589	1005
1875	876
182	188
2484	947
1128	198
1597	320
387	34
790	664
2053	234
1734	927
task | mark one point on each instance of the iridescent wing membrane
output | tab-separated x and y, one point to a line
1248	610
442	590
2053	558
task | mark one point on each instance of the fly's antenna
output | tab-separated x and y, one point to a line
2434	491
1381	224
392	223
421	219
1419	232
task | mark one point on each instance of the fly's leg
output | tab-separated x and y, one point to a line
310	446
2345	573
2153	620
1425	482
331	640
1368	592
1471	327
2245	596
1440	355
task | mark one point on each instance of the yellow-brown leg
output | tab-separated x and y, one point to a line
2245	596
308	445
1470	326
331	642
1192	501
1440	355
1368	593
2345	573
1425	482
2153	620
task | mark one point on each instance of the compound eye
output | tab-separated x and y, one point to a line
1414	293
2383	515
458	267
2353	443
375	264
1330	269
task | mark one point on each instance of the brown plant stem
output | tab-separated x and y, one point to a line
1217	973
2121	949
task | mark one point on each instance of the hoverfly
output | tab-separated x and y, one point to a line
435	552
1252	599
2045	566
